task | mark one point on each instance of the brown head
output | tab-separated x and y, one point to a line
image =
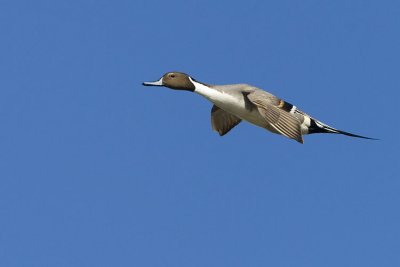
174	80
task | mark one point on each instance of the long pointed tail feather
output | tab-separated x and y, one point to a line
319	127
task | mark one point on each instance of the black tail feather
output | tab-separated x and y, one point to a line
319	127
353	135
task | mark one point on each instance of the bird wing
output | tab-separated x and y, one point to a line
222	121
281	120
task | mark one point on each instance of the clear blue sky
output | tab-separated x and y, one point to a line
97	170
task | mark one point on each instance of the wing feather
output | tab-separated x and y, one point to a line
222	121
281	120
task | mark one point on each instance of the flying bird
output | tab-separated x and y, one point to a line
233	103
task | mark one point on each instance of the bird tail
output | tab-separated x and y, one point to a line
319	127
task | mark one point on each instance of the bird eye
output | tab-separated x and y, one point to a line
172	75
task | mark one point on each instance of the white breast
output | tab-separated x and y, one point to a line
230	103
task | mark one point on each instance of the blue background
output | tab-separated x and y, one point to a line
97	170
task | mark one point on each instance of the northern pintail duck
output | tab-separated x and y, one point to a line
236	102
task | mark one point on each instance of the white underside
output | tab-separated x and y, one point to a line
231	104
237	107
304	126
